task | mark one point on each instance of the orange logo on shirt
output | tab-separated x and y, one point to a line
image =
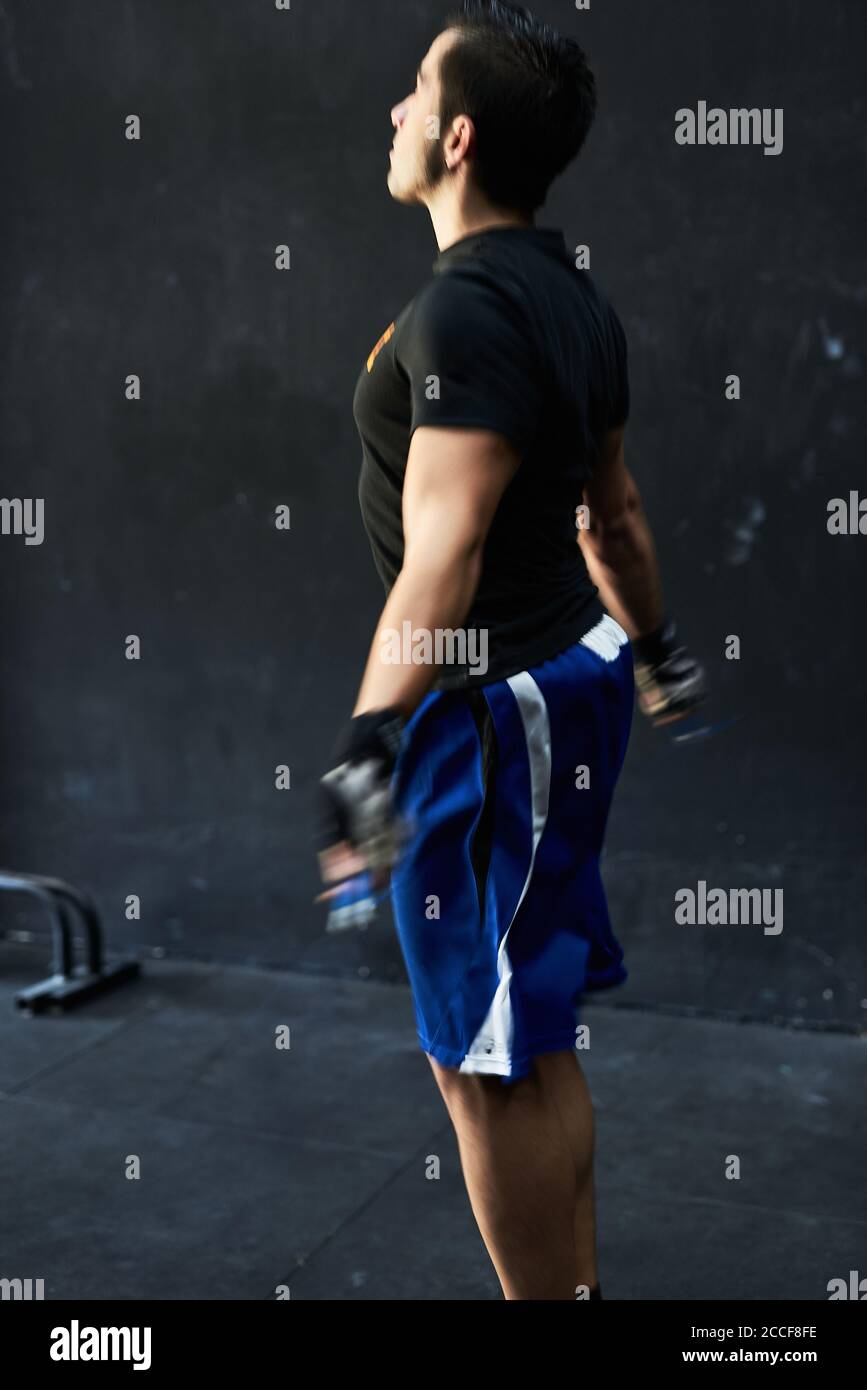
379	346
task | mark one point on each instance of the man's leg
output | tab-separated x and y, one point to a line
526	1152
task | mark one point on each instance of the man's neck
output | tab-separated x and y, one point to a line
451	224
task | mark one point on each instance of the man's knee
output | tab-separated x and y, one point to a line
477	1090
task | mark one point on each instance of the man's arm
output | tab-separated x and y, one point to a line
618	546
454	480
453	484
621	559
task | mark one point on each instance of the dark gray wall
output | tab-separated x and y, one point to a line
156	257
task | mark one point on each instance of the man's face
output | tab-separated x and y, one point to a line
416	159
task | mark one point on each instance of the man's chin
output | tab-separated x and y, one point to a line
401	194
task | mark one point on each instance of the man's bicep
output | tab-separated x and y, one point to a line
607	493
454	481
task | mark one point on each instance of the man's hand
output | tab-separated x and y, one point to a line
358	826
671	684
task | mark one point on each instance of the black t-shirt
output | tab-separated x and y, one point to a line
508	336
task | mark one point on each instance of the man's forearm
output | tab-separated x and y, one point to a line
429	596
621	560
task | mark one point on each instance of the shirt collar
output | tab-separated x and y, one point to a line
550	239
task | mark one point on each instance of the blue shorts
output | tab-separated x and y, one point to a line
497	899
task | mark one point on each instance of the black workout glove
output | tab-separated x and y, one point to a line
355	797
670	682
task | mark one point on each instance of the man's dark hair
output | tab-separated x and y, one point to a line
529	92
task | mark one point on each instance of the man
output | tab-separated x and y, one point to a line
490	409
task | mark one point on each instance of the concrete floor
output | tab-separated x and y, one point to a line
306	1167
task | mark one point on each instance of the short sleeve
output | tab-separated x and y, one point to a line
470	360
618	373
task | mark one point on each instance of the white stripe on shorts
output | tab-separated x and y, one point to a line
606	638
491	1048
